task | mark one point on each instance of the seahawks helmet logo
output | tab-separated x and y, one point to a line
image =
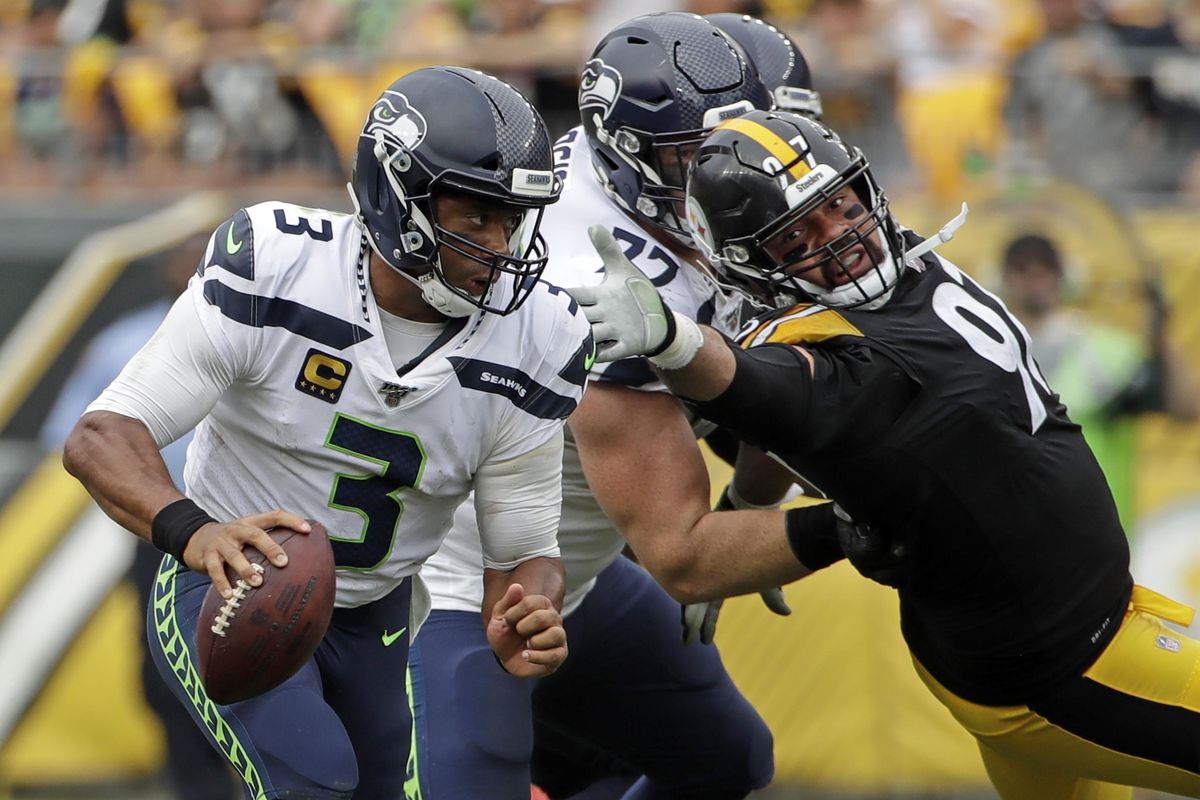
599	87
399	123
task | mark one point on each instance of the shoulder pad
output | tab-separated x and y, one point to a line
233	246
802	324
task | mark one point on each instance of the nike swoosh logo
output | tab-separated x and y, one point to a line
390	638
589	359
231	246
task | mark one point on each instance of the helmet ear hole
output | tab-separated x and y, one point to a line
380	193
609	162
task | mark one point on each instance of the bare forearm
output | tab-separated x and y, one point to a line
731	553
116	459
760	480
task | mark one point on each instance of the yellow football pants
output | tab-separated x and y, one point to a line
1133	719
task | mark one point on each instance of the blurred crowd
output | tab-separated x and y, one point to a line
138	95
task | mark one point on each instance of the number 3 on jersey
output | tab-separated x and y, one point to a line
401	460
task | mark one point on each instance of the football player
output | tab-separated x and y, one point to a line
908	393
366	370
652	89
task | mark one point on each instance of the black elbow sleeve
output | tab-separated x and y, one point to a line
768	395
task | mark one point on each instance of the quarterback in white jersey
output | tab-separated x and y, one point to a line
368	371
631	691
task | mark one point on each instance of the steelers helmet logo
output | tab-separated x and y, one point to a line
400	124
599	87
701	234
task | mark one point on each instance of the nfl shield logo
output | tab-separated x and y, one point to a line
1167	643
393	393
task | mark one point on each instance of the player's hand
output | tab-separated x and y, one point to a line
627	315
526	633
216	544
699	621
874	553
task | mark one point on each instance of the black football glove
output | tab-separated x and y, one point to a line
873	552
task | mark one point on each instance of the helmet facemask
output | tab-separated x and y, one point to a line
774	253
522	264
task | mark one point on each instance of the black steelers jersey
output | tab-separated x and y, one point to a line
929	416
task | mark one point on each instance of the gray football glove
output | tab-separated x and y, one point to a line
774	600
700	621
627	315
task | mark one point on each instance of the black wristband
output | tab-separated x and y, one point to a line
812	534
670	337
174	525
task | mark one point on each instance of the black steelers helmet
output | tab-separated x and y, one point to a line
651	90
752	183
453	129
778	59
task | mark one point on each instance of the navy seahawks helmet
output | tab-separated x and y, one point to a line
451	129
780	63
752	183
651	90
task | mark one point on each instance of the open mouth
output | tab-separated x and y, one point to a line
848	268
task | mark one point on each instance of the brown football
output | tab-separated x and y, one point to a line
263	634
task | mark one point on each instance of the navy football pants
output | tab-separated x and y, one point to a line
339	727
629	689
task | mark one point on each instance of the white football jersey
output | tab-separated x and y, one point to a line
316	419
587	539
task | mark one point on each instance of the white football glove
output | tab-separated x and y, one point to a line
627	315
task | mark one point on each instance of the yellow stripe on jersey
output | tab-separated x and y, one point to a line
804	325
771	142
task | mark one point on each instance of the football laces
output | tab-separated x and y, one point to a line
225	616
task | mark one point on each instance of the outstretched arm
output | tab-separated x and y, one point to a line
643	465
641	458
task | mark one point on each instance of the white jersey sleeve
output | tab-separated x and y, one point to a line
518	503
180	373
